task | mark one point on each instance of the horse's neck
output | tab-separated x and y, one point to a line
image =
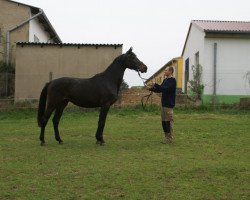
115	72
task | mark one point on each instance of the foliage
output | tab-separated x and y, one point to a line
7	77
247	77
4	67
196	86
124	85
206	161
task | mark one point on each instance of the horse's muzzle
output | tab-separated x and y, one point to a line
143	68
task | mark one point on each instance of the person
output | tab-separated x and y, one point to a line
168	90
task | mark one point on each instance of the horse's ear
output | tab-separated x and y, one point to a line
130	50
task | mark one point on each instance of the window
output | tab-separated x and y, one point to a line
187	69
186	74
197	59
36	39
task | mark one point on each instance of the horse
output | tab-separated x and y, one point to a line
101	91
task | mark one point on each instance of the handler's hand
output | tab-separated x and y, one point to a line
150	87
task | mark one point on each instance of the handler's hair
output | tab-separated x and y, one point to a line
171	69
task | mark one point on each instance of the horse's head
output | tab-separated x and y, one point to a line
132	62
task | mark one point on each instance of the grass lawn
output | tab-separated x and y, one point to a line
208	160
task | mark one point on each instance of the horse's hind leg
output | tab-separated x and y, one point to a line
45	119
56	119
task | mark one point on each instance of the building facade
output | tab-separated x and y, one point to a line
22	23
158	77
222	48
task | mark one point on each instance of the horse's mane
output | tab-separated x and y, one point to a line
116	60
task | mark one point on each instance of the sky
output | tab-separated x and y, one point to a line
156	29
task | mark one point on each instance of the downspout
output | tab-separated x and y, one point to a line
8	44
215	73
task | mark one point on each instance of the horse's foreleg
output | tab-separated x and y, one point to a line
101	124
56	119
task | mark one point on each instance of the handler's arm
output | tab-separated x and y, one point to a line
167	87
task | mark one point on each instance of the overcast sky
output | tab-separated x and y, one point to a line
156	29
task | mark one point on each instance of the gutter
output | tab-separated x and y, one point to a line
215	75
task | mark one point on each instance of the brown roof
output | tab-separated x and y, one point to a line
223	26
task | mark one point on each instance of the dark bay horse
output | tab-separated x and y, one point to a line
99	91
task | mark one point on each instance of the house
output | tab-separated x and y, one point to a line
31	44
22	23
222	48
158	76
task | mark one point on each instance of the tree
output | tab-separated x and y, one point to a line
124	85
196	86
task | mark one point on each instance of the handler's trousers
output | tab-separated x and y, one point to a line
167	119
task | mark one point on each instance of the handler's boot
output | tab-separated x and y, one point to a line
167	139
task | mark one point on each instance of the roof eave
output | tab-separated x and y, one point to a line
68	44
186	39
53	32
227	32
33	7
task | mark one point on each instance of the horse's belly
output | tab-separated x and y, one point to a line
85	103
93	101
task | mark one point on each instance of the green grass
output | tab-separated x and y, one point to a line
208	160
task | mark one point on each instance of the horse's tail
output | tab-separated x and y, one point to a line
42	104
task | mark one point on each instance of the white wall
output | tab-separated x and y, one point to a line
37	29
195	43
233	62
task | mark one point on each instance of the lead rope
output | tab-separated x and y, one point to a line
146	96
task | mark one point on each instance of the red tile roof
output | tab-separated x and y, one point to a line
220	27
223	26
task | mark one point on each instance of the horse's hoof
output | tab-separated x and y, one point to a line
42	143
60	142
98	142
101	143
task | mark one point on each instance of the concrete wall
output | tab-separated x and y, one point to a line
134	96
233	62
35	63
